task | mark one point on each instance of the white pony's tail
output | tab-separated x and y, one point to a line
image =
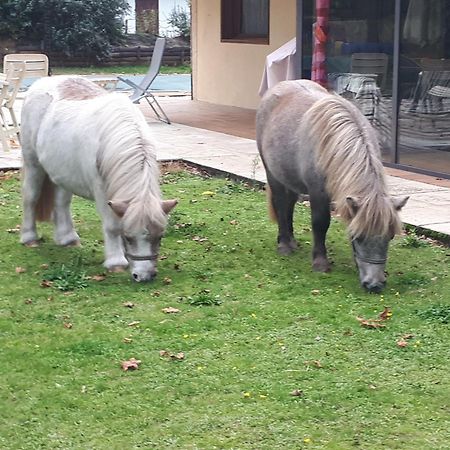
271	210
46	202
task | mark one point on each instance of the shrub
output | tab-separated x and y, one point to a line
77	27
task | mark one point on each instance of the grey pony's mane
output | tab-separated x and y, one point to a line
348	154
127	163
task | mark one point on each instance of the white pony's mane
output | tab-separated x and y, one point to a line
127	163
348	154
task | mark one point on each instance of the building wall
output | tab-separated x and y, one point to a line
230	73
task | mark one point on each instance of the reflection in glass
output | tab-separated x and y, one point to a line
424	89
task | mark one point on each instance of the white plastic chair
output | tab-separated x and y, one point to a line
142	90
36	64
9	87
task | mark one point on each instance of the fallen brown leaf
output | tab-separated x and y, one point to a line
20	270
174	356
370	323
128	304
68	325
46	283
297	393
44	266
167	280
403	341
315	292
28	301
127	340
234	222
385	314
131	364
99	277
156	293
134	324
170	310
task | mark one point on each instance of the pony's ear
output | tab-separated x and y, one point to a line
118	207
168	205
399	203
353	204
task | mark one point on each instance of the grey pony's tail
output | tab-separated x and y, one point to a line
272	214
46	202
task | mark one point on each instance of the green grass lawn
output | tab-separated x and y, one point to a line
254	328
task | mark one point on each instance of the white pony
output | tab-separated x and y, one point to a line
77	139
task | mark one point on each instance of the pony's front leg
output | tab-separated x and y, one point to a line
32	182
283	202
65	233
320	218
115	260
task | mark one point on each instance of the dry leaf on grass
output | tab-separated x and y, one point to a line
20	270
68	325
174	356
376	323
167	280
385	314
170	310
234	222
297	393
134	324
131	364
99	277
127	340
46	283
128	304
403	341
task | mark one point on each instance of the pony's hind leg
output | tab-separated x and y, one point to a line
33	180
283	202
65	233
320	218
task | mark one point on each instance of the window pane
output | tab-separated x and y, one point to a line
424	90
255	17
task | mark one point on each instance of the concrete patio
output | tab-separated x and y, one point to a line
227	147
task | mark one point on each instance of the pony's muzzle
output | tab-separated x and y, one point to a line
144	276
374	288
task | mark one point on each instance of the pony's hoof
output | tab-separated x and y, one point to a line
117	269
32	244
321	265
75	243
285	249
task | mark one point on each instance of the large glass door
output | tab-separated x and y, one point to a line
424	85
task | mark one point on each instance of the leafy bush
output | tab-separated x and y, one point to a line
78	27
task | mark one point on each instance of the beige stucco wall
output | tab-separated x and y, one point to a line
230	73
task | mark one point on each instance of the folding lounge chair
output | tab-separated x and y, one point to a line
143	89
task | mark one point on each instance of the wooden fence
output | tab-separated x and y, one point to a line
120	56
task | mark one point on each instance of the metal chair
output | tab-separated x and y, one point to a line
9	87
143	89
371	63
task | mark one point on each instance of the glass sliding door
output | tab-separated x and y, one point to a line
359	49
424	85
